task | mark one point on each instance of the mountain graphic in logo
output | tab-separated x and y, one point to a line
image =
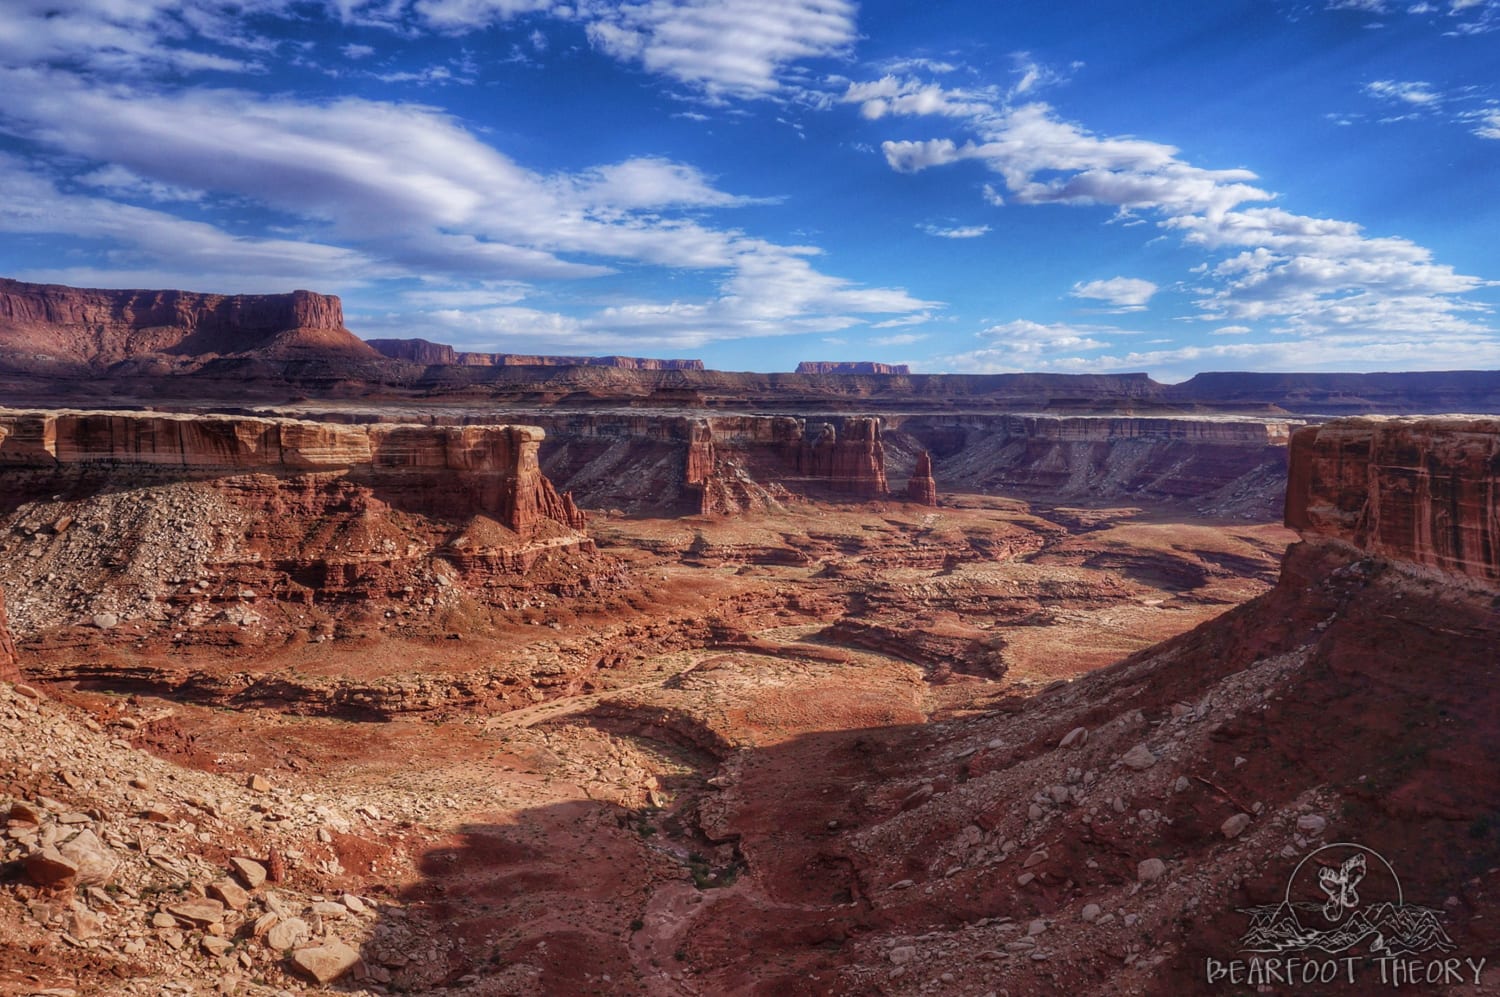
1343	898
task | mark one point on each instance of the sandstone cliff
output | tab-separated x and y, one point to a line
101	327
1222	465
1397	393
1420	490
424	352
851	367
453	471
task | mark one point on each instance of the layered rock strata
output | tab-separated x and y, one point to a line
922	489
1425	491
454	471
738	462
851	367
425	352
100	327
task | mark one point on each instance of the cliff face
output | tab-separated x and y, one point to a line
419	351
453	471
1223	465
1425	491
851	461
423	352
101	327
1344	394
851	367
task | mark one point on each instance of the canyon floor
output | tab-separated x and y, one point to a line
655	788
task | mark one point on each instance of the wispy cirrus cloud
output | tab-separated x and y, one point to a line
1411	92
955	231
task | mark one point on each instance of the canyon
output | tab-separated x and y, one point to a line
417	675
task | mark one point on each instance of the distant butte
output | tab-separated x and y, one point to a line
425	352
851	367
61	344
100	327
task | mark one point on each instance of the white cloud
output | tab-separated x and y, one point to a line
150	242
120	182
487	295
1126	293
1415	93
1025	345
1309	274
725	48
1336	352
899	339
1487	123
461	16
920	318
955	232
908	97
353	51
650	182
1232	330
405	190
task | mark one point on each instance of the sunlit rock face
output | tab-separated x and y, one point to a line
1420	490
101	327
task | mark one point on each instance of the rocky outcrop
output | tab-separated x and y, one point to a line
9	671
425	352
851	367
736	463
452	471
100	327
921	489
850	461
1425	491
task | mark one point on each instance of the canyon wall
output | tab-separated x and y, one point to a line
100	327
1333	393
425	352
1223	465
453	471
714	464
662	463
1420	490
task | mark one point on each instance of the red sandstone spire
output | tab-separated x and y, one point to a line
921	489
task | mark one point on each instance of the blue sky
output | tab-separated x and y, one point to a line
975	186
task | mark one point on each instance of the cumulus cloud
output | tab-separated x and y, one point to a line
1303	273
1124	293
